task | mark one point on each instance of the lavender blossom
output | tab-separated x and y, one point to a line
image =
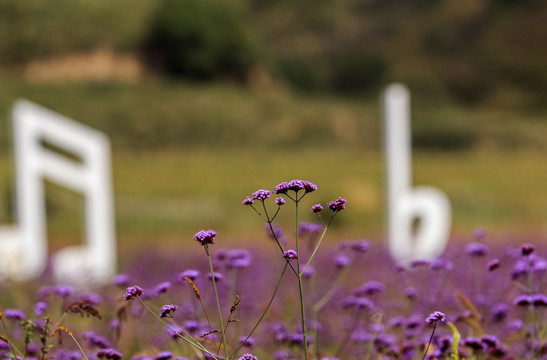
316	208
337	205
296	186
523	300
341	261
476	249
94	340
132	292
261	195
162	287
63	291
248	201
248	357
247	342
121	280
168	310
39	308
190	273
205	237
539	300
164	355
493	264
14	314
527	249
238	259
218	277
109	354
434	317
290	254
280	201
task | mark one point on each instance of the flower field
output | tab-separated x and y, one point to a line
483	299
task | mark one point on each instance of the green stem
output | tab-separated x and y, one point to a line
300	288
218	303
264	312
430	339
319	242
190	341
14	350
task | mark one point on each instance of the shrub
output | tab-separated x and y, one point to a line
200	39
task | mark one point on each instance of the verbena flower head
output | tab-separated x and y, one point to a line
162	287
434	317
527	249
337	205
95	340
120	280
248	357
168	310
479	234
290	254
164	355
132	292
39	308
205	237
261	195
493	264
280	201
109	354
238	259
190	273
296	186
218	277
316	208
247	342
248	201
63	291
14	314
476	249
341	261
539	300
523	300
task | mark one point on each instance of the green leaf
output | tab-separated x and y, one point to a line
455	341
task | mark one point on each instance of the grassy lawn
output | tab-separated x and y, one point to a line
167	196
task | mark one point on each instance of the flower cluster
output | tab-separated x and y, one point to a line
168	310
337	205
132	292
205	237
290	254
296	186
434	317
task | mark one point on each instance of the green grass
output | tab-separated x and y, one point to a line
167	196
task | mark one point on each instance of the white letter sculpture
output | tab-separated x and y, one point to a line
23	247
405	204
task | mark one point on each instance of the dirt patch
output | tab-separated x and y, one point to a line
96	65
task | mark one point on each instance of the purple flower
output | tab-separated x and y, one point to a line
527	249
110	354
261	195
308	272
523	300
441	264
121	280
247	342
539	300
341	261
63	291
168	310
490	341
164	355
476	249
218	277
369	288
410	292
493	265
474	343
337	205
305	228
248	357
162	287
434	317
360	336
295	185
92	298
290	254
44	292
499	312
190	273
205	237
238	259
316	208
479	234
279	201
248	201
132	292
14	314
95	340
360	246
39	308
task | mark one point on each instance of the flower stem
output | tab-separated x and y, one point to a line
300	288
218	303
430	339
264	312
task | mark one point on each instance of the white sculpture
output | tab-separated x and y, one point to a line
405	204
23	246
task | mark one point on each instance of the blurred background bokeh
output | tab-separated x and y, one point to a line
205	101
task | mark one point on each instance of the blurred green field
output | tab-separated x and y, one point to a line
166	196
